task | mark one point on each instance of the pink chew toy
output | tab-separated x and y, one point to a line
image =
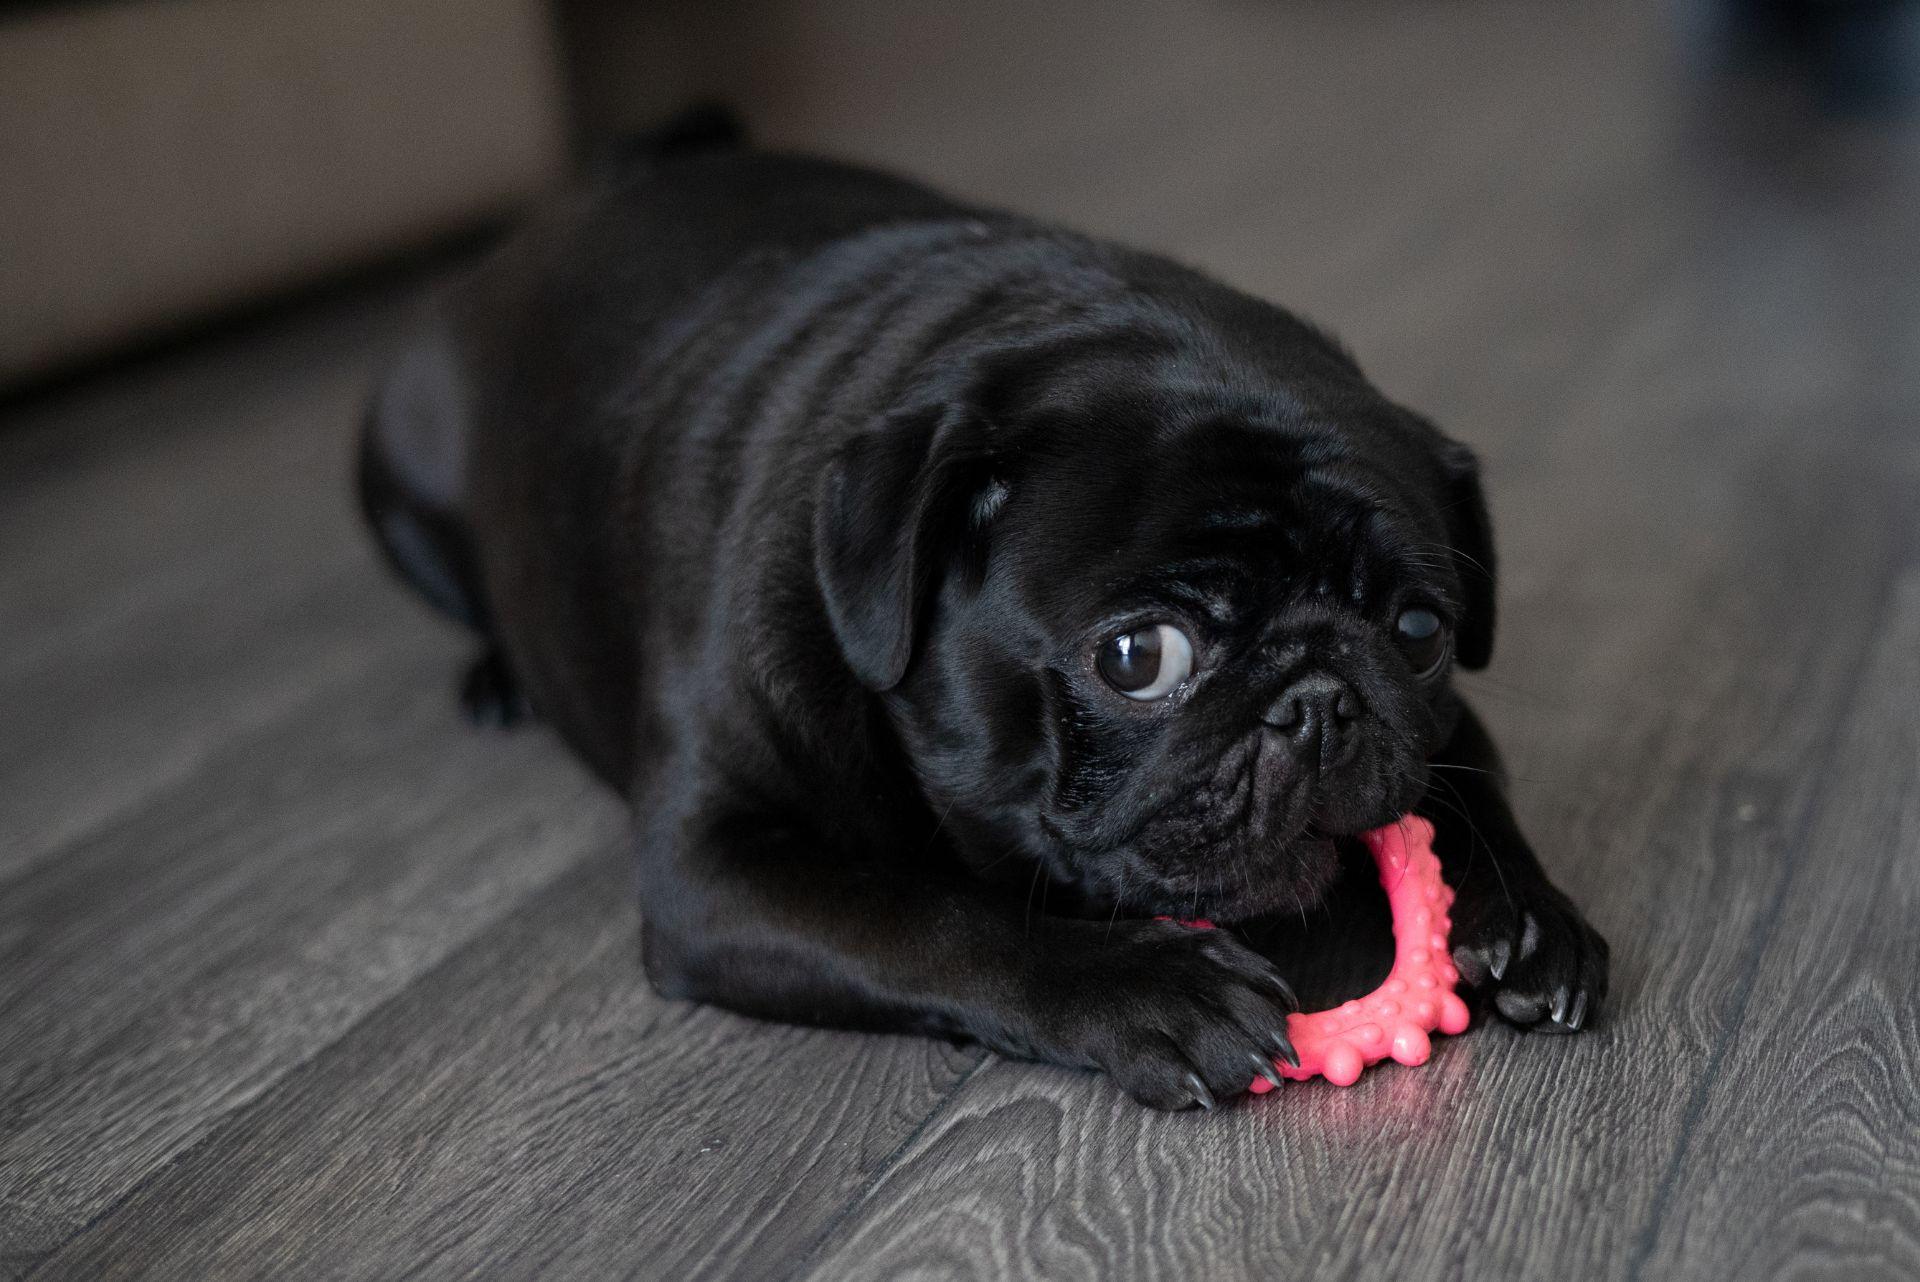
1417	997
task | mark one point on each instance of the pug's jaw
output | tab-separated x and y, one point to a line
1252	839
1230	883
1227	853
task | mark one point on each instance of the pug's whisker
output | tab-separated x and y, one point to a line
935	834
1503	777
1479	841
999	859
1038	869
1457	553
1120	897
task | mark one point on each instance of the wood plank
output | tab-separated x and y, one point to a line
531	1108
171	538
176	543
118	720
146	464
167	970
1804	1134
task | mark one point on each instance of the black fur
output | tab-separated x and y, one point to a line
799	500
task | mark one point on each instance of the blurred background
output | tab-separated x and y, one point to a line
299	974
167	161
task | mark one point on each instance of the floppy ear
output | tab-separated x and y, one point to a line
881	530
1470	536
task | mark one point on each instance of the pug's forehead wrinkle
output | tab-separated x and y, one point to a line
1213	588
1182	409
1215	601
1360	490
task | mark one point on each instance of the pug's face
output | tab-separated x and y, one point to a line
1178	643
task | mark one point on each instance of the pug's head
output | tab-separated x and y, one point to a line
1165	618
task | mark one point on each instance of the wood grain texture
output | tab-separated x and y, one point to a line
160	975
298	977
1805	1136
179	533
532	1109
219	862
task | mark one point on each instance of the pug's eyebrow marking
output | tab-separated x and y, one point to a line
1217	608
1213	586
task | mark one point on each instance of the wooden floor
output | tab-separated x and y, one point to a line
300	977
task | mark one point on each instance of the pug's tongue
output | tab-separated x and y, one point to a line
1417	997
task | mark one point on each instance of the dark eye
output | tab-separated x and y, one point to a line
1148	663
1422	637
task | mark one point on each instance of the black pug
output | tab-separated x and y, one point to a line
907	565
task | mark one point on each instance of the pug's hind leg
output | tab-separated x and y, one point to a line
490	694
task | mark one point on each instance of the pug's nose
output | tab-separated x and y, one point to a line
1317	715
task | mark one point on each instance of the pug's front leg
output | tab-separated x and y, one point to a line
1516	936
745	912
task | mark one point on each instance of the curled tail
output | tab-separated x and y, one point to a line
696	130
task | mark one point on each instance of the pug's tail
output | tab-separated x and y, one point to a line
696	130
